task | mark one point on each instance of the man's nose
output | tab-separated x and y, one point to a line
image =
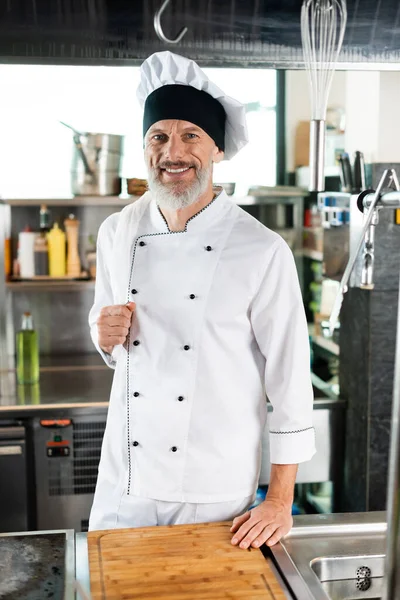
174	149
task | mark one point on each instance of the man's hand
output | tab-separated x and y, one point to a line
266	523
113	325
272	519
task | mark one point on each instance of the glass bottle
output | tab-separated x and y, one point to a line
27	352
44	219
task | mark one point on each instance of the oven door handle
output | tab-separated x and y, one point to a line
10	450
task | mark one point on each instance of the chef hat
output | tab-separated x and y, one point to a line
174	87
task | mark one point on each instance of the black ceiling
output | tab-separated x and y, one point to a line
231	31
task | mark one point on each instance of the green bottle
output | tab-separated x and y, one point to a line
27	352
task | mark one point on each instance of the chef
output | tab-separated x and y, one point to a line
198	309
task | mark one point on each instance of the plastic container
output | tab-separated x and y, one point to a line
27	254
27	345
57	252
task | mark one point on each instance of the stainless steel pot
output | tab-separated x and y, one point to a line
96	164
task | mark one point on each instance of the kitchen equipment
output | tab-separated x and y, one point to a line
280	208
373	201
57	252
158	29
73	261
136	187
228	187
174	562
323	23
37	565
359	183
13	477
347	173
66	455
96	163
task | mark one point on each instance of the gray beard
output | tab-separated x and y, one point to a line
172	195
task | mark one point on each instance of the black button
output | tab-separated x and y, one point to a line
192	296
136	394
186	347
135	444
136	343
208	248
181	398
142	244
174	448
134	291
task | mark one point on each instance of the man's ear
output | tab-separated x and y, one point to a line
218	155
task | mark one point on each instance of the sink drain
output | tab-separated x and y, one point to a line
363	572
363	582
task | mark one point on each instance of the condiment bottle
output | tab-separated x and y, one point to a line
26	253
41	255
73	260
7	242
57	251
44	219
27	352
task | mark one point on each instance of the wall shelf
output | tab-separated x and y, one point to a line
73	201
250	200
50	286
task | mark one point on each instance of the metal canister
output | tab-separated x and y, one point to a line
96	164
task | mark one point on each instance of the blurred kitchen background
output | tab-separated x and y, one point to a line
60	124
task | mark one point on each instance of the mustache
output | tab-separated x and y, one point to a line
167	164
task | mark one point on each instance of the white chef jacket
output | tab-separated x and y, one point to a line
219	323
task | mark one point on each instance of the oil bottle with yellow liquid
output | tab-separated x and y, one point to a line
27	346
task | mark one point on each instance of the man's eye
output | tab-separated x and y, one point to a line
158	137
191	136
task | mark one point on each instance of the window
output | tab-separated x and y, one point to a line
36	149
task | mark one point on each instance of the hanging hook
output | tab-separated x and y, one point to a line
158	28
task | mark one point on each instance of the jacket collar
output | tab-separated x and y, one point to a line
208	215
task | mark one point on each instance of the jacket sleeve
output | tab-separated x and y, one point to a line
103	295
280	328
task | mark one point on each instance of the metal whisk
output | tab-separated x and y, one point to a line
323	23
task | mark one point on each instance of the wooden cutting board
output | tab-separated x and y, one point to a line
178	562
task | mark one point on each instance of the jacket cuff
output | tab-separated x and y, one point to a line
292	447
109	359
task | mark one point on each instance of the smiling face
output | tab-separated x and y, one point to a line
179	158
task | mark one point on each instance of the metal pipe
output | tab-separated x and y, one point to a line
392	566
367	272
350	265
388	200
317	155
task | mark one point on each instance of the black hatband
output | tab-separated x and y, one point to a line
186	103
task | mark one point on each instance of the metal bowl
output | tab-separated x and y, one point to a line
228	187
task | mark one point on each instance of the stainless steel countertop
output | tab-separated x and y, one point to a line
77	382
318	535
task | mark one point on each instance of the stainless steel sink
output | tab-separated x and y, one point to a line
350	577
334	557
